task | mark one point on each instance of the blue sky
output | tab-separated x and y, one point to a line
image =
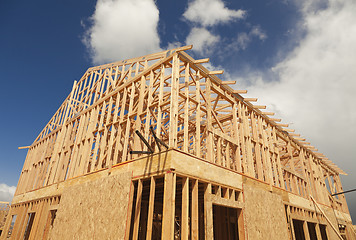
297	56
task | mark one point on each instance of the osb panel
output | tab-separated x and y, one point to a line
352	231
265	216
331	215
301	202
194	166
344	216
94	210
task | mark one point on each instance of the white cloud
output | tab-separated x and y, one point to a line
244	39
6	192
258	32
317	83
205	14
211	12
202	39
172	45
122	29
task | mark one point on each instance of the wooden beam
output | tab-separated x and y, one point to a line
327	219
129	212
251	99
151	205
299	138
137	210
185	208
216	72
184	48
195	211
204	60
228	82
24	147
306	230
282	124
169	206
198	116
208	215
268	113
239	91
210	141
259	107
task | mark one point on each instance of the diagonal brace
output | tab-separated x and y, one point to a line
144	141
158	141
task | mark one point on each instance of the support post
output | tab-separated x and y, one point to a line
208	207
169	206
185	209
151	209
195	211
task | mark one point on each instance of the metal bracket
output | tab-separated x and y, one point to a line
343	192
151	150
158	141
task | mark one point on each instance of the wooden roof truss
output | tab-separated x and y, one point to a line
188	107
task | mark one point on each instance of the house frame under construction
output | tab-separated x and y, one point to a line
158	147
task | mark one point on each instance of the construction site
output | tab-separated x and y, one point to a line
159	147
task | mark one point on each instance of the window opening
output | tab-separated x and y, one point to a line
298	229
13	220
31	217
323	232
225	223
312	232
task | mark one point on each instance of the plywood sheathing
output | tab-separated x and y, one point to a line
94	210
332	218
159	163
182	164
351	230
146	166
264	213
